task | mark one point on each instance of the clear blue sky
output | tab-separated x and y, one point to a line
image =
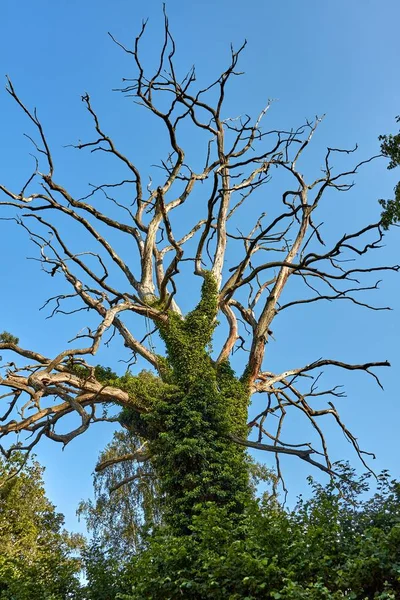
339	58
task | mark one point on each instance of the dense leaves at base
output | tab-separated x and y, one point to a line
339	544
36	555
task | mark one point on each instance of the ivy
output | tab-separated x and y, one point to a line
199	467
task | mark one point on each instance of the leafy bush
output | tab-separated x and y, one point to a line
340	544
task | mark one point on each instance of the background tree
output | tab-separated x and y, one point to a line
391	148
126	504
129	249
38	558
124	511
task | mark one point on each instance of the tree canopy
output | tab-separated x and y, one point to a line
39	560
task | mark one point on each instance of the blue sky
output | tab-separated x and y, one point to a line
335	58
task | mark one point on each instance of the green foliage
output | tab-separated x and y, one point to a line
8	338
391	208
237	397
391	147
187	339
36	555
196	463
339	544
106	574
147	391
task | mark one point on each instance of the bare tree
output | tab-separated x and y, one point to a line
189	220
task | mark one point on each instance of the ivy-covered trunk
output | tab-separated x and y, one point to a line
189	427
203	475
198	466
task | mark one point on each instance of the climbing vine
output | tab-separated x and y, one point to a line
192	415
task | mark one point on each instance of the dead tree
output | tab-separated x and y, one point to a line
164	232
